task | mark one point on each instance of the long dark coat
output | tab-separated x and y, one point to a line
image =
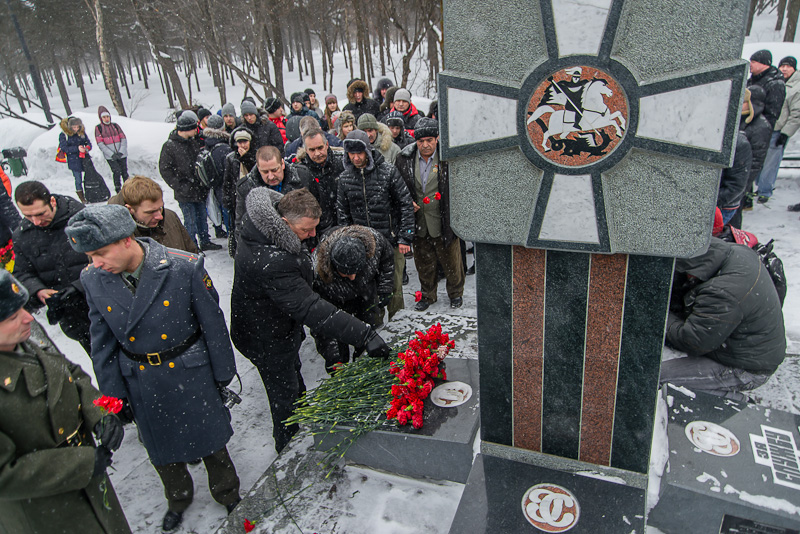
176	405
46	487
176	165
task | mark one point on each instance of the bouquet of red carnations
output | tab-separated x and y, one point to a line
415	370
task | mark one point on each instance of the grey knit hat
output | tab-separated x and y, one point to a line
426	127
215	122
367	121
13	295
94	227
228	109
248	108
348	255
187	121
402	94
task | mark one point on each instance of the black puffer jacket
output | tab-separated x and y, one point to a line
757	130
233	164
733	315
9	216
326	176
374	279
44	258
406	163
264	133
774	84
176	165
272	296
376	196
218	142
734	178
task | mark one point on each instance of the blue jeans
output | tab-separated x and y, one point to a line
727	214
78	180
226	219
195	219
772	163
699	373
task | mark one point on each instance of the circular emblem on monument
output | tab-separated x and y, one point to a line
550	508
712	438
577	116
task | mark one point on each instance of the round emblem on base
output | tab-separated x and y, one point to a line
712	438
550	508
577	116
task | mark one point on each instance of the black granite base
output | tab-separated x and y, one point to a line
498	495
743	475
442	449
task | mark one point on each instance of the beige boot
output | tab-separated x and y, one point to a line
80	196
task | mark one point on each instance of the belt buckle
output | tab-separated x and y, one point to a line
74	439
151	360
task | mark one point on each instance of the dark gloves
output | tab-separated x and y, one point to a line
375	346
781	140
109	431
57	304
125	415
384	300
102	459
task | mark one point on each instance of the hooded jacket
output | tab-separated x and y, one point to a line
218	142
367	105
110	138
384	143
69	141
789	119
383	83
272	296
176	165
375	196
733	315
772	81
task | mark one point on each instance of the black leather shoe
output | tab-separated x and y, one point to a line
422	305
471	270
231	506
210	246
794	207
456	302
171	521
219	232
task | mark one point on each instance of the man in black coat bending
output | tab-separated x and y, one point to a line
272	299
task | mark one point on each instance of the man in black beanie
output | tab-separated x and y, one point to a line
771	80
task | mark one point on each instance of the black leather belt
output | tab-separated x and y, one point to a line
157	358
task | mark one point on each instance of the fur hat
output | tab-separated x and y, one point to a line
186	122
789	60
272	105
94	227
395	118
242	134
215	122
228	109
74	121
248	108
426	127
402	94
762	56
348	255
13	295
356	141
203	113
367	121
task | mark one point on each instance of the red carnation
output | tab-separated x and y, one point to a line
108	404
426	200
248	526
418	296
437	196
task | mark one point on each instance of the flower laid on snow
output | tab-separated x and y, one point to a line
248	526
108	404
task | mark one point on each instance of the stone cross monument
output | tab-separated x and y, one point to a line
586	141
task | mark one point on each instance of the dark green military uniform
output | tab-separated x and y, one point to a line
46	485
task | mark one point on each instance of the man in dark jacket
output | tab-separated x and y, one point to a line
145	200
272	299
269	171
771	80
734	179
316	159
372	193
160	341
758	133
46	264
731	324
217	141
264	132
238	164
434	241
52	472
354	272
403	104
383	85
177	167
359	102
229	117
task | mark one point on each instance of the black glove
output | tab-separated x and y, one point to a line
781	140
102	459
109	431
125	415
375	346
384	300
57	304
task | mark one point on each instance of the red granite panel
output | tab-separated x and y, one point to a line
528	346
601	358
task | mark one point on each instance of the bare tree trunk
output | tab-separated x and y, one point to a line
76	72
781	10
277	54
121	72
62	89
110	80
309	52
12	83
791	20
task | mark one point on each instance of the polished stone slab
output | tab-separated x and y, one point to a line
499	498
729	463
442	449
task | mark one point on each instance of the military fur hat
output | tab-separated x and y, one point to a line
426	127
94	227
13	295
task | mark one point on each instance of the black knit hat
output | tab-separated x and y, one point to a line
762	56
272	105
202	113
13	295
348	255
395	118
789	60
426	127
310	91
297	97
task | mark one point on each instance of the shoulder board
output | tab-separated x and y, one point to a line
182	254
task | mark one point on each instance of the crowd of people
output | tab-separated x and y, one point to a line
320	209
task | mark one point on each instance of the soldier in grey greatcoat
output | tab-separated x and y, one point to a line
52	473
160	341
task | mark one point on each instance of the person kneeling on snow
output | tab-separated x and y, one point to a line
728	320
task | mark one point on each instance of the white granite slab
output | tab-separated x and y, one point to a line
570	213
478	117
580	25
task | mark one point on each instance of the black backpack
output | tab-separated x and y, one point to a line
774	267
206	170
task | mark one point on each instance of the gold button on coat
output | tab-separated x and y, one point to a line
171	365
131	339
141	367
7	381
109	308
60	431
163	336
70	379
166	303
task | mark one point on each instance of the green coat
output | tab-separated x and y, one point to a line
45	487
